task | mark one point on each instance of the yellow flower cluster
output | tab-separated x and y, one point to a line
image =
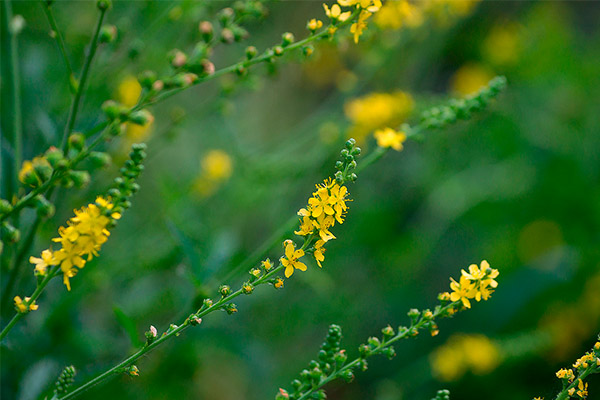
367	8
326	207
580	390
462	353
476	284
21	305
376	111
83	237
591	360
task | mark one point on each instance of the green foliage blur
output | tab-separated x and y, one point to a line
518	185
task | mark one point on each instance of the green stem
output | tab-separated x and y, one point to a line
377	350
564	394
82	81
14	80
61	44
40	288
175	332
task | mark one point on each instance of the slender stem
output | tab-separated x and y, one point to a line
174	332
82	81
564	394
40	288
377	350
14	79
46	6
14	272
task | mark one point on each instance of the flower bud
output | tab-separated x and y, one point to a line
141	117
76	141
108	33
278	283
151	334
225	290
231	308
133	371
388	332
247	288
5	206
111	109
340	357
195	320
104	5
255	272
308	50
227	36
373	342
347	375
251	52
389	352
287	39
226	15
147	79
177	58
27	174
79	178
206	30
10	232
44	208
278	50
282	395
100	159
207	303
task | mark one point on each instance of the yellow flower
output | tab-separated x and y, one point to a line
314	24
369	5
290	261
377	110
129	91
69	257
41	264
319	250
335	13
26	172
396	14
388	137
22	307
462	353
278	283
217	165
319	203
306	227
338	200
462	290
359	26
266	264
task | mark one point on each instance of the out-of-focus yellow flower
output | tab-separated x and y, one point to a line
388	137
502	46
445	10
377	110
217	167
335	13
129	91
469	78
396	14
462	353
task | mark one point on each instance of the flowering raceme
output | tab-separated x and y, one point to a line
476	284
83	237
326	207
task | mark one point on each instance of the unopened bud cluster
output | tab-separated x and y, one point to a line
347	164
64	381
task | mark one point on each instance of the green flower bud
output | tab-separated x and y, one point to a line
11	233
177	58
133	371
226	15
225	290
388	332
76	141
206	30
373	342
347	375
231	308
141	117
43	207
278	51
104	4
227	36
207	303
108	33
287	39
65	379
239	33
111	109
53	155
350	143
5	206
389	352
151	334
147	79
308	50
100	160
79	178
251	52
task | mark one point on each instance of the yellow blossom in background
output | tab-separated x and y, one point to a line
217	165
26	169
216	168
377	110
397	14
129	91
462	353
445	11
469	78
502	46
22	307
388	137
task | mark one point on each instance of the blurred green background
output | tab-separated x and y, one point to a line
230	161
